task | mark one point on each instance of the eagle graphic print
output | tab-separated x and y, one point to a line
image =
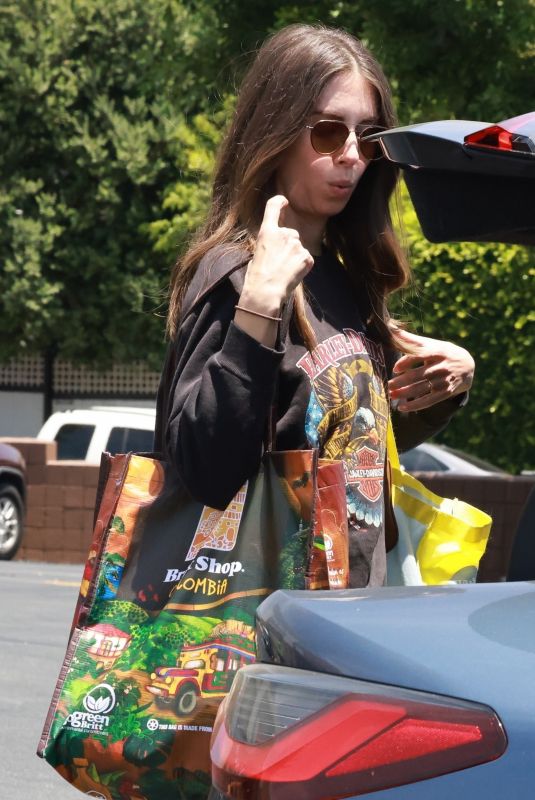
347	418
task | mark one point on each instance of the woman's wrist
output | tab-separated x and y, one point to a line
260	301
262	327
258	314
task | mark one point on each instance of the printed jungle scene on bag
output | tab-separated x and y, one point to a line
166	620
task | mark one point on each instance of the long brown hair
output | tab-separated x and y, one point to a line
276	98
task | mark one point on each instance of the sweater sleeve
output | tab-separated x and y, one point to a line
218	401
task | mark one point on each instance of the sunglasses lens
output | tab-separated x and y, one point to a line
369	150
328	136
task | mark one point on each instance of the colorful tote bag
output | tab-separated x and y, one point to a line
166	612
440	540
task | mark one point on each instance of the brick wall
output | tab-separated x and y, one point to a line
60	503
61	496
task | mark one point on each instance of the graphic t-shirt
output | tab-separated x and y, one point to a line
347	411
218	385
347	416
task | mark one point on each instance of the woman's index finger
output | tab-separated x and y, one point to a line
407	362
273	210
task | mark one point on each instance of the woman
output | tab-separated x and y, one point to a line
301	204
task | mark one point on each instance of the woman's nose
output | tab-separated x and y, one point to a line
350	151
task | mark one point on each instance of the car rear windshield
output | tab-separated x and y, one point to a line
417	460
129	440
73	441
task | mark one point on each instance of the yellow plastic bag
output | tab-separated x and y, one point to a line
440	541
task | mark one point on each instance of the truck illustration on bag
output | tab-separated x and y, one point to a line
201	671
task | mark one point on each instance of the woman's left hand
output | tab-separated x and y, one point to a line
436	371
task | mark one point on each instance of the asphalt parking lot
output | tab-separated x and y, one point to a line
37	603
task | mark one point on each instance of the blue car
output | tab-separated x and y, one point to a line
424	692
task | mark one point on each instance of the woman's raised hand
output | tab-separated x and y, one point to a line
435	371
279	264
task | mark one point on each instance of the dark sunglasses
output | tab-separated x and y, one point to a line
329	135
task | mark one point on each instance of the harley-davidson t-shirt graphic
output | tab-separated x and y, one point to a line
347	417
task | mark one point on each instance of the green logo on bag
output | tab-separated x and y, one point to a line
100	700
97	703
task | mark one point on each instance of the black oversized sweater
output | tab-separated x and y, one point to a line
218	384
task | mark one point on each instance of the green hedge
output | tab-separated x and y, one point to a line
481	296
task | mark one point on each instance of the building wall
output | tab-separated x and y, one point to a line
21	413
61	497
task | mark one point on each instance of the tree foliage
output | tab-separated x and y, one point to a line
481	296
92	94
185	201
470	59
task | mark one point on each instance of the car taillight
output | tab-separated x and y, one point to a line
497	138
287	734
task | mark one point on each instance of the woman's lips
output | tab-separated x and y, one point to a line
341	189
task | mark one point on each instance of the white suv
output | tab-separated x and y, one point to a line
84	433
